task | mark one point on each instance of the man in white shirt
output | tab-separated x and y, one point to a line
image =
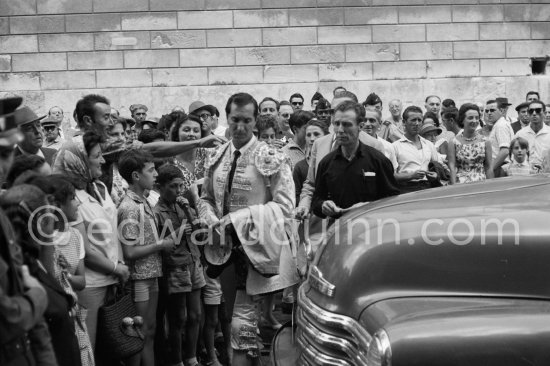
371	125
537	134
500	136
414	154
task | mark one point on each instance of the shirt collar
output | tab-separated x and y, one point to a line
405	139
243	149
358	153
133	196
544	129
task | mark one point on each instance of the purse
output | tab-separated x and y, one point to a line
122	338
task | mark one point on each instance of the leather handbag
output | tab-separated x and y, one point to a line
115	332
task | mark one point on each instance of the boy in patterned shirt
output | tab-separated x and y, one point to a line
140	242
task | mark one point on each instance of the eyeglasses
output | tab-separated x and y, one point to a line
490	110
535	110
297	103
205	116
49	128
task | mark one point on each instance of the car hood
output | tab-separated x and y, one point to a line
462	331
483	239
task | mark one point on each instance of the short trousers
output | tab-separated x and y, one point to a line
185	278
141	289
212	291
244	324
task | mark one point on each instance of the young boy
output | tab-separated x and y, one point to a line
183	270
140	241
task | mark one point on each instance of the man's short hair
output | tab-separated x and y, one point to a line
299	119
265	122
539	102
284	102
448	103
135	107
491	101
431	96
241	100
347	94
85	107
348	105
269	99
150	135
296	95
411	109
376	111
532	92
133	161
168	173
334	91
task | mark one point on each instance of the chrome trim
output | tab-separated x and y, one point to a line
335	338
385	347
318	282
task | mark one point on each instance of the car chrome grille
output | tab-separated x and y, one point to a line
325	338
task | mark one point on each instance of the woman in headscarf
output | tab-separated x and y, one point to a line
81	161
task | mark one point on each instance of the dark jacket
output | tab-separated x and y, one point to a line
49	154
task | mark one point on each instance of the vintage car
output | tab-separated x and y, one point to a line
451	276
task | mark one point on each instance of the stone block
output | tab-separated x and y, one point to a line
124	78
453	68
207	57
372	52
397	2
426	51
424	14
93	22
452	32
180	77
380	15
234	37
165	5
260	18
540	30
527	13
283	4
334	3
344	34
311	17
64	6
289	36
136	59
235	75
262	56
450	2
478	13
14	81
37	24
347	71
4	25
95	60
5	63
17	7
504	31
505	67
66	42
109	6
122	40
399	70
522	49
39	62
205	19
317	54
68	80
291	74
401	33
233	4
178	39
18	44
479	49
149	21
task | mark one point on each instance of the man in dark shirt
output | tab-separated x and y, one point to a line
352	173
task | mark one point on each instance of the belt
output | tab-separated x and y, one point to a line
11	350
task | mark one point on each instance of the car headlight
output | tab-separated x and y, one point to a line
379	352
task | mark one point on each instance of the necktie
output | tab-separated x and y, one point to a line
230	176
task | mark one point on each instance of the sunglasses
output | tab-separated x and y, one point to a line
141	114
49	128
297	103
490	110
535	110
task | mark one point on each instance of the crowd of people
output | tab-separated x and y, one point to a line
188	215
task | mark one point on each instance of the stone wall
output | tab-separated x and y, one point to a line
165	53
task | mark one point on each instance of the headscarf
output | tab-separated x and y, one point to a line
72	162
